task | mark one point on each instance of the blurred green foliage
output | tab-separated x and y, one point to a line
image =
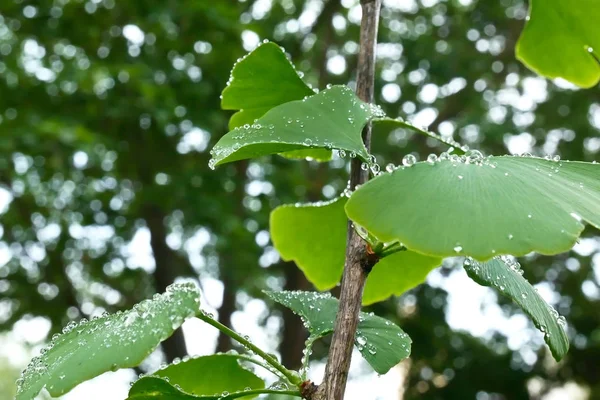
106	111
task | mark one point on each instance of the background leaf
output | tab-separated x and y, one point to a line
481	207
505	275
561	40
201	376
382	343
397	273
108	343
334	118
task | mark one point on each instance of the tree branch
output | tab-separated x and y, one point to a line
358	263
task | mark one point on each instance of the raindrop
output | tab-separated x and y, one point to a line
409	160
458	248
432	158
390	167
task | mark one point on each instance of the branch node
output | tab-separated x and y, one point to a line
308	389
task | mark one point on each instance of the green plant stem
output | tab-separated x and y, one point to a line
391	249
261	391
289	375
261	364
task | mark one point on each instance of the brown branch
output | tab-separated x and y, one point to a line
358	263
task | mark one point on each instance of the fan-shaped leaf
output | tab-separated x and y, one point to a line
334	118
121	340
382	343
298	235
505	275
481	207
261	80
198	378
560	40
397	273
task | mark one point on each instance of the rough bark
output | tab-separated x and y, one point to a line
164	273
358	263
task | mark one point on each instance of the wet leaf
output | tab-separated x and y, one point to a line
562	41
298	235
263	79
332	119
483	207
121	340
505	275
200	377
382	343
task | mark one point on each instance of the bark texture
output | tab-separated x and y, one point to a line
358	263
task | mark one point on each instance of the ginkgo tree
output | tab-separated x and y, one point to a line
380	237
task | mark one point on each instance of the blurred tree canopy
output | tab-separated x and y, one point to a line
107	109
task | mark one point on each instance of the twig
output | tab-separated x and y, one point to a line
358	263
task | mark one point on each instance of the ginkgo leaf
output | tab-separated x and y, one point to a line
121	340
481	207
506	275
261	80
382	343
562	41
298	235
332	119
199	377
397	273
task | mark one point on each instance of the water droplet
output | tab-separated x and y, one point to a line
409	160
458	248
432	159
364	166
390	167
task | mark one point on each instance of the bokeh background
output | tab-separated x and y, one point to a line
108	109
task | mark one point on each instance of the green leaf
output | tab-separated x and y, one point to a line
334	118
263	79
481	207
121	340
505	275
562	39
298	235
199	377
155	388
382	343
397	273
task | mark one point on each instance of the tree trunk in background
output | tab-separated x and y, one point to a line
164	274
227	308
294	333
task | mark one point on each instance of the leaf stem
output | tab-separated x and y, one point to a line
391	249
293	378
